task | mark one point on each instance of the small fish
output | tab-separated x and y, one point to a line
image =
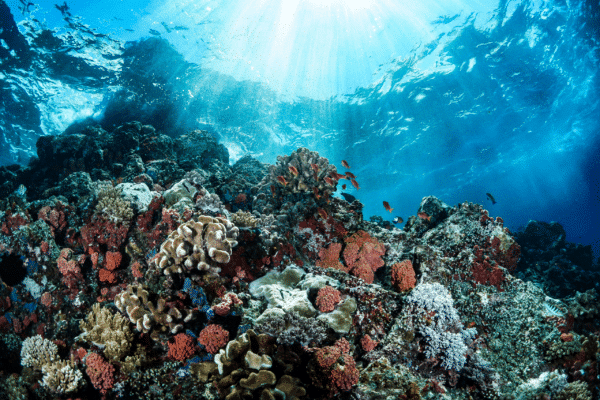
336	176
344	186
398	220
329	181
350	175
273	190
489	195
322	213
354	183
315	167
387	206
293	170
21	190
423	215
316	193
345	164
282	180
348	197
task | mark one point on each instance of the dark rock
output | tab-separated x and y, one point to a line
155	146
198	149
543	235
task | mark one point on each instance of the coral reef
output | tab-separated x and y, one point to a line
135	265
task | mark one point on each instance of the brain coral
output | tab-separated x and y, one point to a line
198	245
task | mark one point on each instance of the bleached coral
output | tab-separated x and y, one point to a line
37	352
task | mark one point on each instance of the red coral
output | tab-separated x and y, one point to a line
112	260
102	232
181	347
327	299
344	375
485	273
54	217
363	255
403	276
330	257
327	356
107	276
213	337
367	343
101	372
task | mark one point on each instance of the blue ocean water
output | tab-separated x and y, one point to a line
452	99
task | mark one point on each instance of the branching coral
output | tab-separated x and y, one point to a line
109	330
303	171
112	207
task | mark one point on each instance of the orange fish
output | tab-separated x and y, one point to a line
322	213
282	180
315	167
293	170
316	192
345	164
337	176
329	181
423	215
354	183
350	175
387	206
344	186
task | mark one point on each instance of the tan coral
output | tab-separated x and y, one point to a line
112	207
104	328
198	246
148	317
240	372
62	377
244	219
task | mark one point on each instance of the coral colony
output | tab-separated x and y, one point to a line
138	266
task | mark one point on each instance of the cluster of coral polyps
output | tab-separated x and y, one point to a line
155	288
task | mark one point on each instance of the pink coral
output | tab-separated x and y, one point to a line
327	298
330	257
403	276
213	337
101	372
344	375
181	347
363	255
368	344
227	301
112	260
